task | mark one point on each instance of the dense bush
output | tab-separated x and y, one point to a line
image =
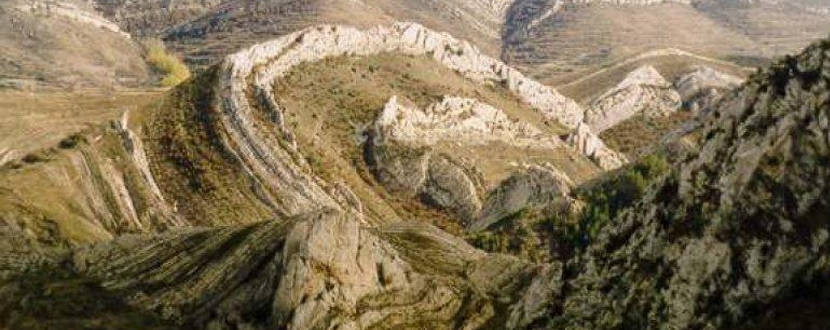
558	233
172	69
605	198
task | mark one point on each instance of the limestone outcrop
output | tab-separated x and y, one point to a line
643	91
421	173
739	227
277	164
457	120
318	271
703	87
539	187
586	142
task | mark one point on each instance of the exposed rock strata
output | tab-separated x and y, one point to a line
586	142
643	91
537	187
421	173
319	271
738	228
457	120
251	73
703	87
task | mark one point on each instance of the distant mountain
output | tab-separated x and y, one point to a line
558	41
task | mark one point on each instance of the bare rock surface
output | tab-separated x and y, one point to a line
703	87
643	91
538	186
586	142
322	270
739	227
457	120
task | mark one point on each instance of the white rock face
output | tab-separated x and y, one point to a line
458	120
703	87
280	168
588	143
643	91
702	78
317	43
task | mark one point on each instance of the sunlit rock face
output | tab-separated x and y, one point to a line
643	91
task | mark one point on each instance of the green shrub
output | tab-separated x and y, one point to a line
72	141
606	198
172	69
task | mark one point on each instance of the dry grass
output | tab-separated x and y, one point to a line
593	83
33	121
328	102
638	134
172	70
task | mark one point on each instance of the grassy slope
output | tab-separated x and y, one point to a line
584	37
591	84
326	104
60	192
182	136
33	121
55	51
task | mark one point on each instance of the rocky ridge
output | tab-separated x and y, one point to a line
457	120
737	228
702	88
643	91
252	71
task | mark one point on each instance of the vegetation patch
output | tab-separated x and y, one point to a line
172	69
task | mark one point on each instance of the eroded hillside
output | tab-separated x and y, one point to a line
65	44
730	238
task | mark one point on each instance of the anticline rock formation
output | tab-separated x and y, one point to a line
643	91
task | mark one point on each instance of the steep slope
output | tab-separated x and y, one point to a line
740	227
280	129
66	44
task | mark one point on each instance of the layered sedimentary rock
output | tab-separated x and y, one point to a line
317	271
738	228
586	142
643	91
252	71
703	87
539	187
457	120
402	154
